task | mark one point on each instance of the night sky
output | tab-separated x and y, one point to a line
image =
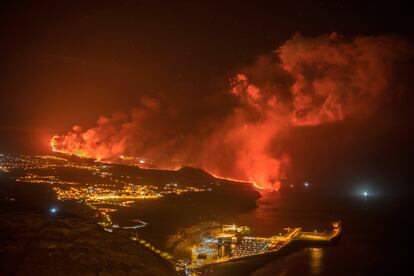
68	62
65	63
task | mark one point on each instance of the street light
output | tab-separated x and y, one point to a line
53	210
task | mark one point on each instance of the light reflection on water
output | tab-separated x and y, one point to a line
316	256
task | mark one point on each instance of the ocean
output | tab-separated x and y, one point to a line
375	238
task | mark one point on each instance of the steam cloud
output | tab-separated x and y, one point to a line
305	82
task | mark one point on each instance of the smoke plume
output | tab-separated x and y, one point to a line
306	82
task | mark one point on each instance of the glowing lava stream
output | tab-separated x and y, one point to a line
53	148
236	180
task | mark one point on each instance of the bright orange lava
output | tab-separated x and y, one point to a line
53	144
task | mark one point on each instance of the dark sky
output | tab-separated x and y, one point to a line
67	62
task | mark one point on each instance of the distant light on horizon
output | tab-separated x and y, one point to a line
367	189
306	184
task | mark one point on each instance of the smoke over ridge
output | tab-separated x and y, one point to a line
306	82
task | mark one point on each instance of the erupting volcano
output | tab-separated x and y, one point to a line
306	82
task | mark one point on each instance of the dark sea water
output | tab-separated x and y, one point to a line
376	231
375	240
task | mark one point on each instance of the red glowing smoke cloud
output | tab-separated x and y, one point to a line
306	82
334	79
140	131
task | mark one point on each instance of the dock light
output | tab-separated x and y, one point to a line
53	210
